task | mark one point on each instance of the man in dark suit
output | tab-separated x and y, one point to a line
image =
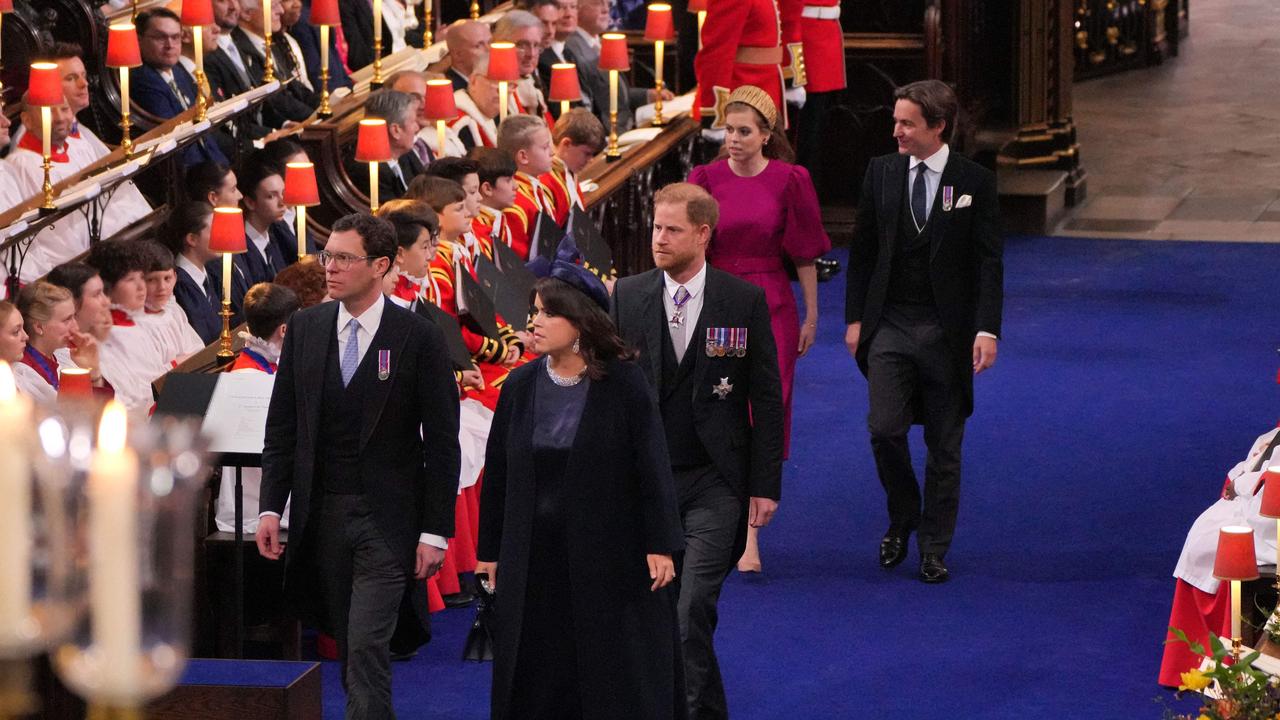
584	44
161	86
357	26
400	110
294	102
363	432
468	43
707	350
308	37
923	309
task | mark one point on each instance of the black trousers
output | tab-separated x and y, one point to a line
910	370
710	512
363	584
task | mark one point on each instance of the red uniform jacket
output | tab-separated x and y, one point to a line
823	47
564	190
736	37
531	198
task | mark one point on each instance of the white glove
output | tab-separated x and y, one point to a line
795	96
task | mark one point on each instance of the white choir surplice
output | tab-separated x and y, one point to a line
132	360
250	478
33	385
173	334
68	236
1195	565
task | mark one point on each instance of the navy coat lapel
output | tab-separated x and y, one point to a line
314	353
393	333
653	313
892	189
940	219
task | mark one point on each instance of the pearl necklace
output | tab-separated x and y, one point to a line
565	381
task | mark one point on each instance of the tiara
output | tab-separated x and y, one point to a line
757	99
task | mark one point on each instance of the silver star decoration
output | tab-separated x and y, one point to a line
723	389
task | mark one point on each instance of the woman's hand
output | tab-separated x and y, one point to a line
490	569
662	570
808	335
84	351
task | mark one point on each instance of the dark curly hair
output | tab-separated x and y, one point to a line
598	338
116	258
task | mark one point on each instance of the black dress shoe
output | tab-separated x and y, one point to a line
893	548
827	268
932	570
458	599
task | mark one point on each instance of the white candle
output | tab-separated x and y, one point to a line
440	138
302	231
373	187
124	91
702	17
377	22
197	37
266	20
15	511
115	603
613	92
657	66
1235	609
324	47
503	100
226	277
46	130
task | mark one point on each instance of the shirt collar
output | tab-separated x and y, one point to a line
592	40
258	42
369	320
935	162
196	272
259	239
693	287
557	46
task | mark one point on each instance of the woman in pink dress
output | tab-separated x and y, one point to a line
768	213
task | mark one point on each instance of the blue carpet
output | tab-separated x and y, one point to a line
1131	376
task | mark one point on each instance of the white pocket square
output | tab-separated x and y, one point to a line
964	201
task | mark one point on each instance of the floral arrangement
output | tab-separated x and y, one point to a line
1242	691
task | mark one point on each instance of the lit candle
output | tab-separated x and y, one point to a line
657	67
266	20
302	231
1235	610
114	580
124	91
15	511
46	129
197	37
613	92
226	275
377	21
373	186
440	138
503	100
324	46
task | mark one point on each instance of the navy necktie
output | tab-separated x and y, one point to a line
919	209
209	292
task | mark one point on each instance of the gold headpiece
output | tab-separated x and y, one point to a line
757	99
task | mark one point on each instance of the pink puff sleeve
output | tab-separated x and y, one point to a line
803	238
698	176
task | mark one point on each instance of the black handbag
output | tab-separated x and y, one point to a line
479	645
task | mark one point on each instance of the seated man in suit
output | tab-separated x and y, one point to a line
400	29
525	31
400	110
584	43
295	102
558	52
468	44
424	145
308	38
226	69
186	233
161	86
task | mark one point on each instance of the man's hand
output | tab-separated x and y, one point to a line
851	336
268	537
761	511
662	570
513	354
430	558
472	379
490	569
666	95
984	353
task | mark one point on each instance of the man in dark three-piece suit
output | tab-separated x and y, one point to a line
707	350
923	308
362	430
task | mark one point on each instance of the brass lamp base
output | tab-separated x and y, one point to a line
225	354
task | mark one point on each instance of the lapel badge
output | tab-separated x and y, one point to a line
947	194
384	364
723	389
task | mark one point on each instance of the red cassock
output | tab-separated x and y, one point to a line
531	198
823	41
564	190
741	45
1196	613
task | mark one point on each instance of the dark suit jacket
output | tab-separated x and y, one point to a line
195	303
357	27
308	37
743	432
460	82
549	58
150	92
225	81
293	102
596	83
966	269
621	505
248	268
389	186
409	439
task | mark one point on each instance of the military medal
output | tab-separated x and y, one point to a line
723	389
384	364
946	197
740	347
722	336
711	343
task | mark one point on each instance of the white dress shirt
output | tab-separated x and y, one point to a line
229	47
257	239
369	321
692	307
197	272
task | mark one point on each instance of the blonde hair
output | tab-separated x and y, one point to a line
517	131
37	300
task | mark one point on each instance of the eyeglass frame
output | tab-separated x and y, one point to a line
343	261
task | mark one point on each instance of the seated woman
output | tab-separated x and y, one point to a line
13	336
54	341
1201	602
578	523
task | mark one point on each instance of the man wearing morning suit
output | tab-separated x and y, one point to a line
707	349
363	431
923	308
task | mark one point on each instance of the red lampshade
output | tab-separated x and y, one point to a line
122	46
74	383
439	100
6	6
1270	492
226	232
44	89
1235	559
657	25
197	12
696	6
502	62
300	184
373	144
564	82
613	52
325	12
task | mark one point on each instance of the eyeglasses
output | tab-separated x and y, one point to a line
163	39
342	261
